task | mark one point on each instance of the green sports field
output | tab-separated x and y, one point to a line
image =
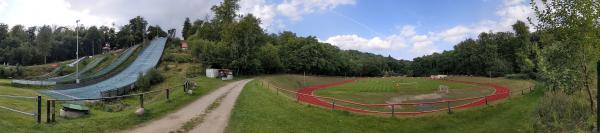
259	109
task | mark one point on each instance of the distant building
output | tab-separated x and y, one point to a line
184	45
106	48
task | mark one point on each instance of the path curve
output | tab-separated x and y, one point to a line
174	121
500	92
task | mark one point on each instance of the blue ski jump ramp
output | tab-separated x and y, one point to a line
142	64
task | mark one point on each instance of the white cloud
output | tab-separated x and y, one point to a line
356	42
294	9
259	8
406	40
408	30
455	34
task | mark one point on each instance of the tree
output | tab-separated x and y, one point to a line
45	41
138	28
523	50
269	58
93	38
125	37
3	31
31	34
155	31
186	28
569	60
225	12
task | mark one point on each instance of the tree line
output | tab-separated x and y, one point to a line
490	54
237	42
20	45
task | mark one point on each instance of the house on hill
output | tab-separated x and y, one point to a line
184	45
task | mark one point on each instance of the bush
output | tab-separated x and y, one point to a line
194	70
518	76
11	72
152	77
177	58
559	112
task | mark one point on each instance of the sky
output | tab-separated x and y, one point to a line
403	29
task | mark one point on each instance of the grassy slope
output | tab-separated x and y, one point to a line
261	110
102	121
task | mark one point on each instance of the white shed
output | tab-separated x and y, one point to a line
212	73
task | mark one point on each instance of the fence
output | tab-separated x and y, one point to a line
38	106
51	103
407	108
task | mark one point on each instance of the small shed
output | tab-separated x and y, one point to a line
184	45
224	74
212	73
106	48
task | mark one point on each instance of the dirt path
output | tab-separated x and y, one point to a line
216	121
174	121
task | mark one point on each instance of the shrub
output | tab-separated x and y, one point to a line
194	70
559	112
518	76
152	77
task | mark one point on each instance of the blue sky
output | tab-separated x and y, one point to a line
403	29
384	16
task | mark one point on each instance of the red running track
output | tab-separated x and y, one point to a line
306	95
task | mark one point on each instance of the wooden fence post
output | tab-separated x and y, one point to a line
53	110
141	100
48	111
333	105
39	109
486	100
449	109
393	110
168	94
522	93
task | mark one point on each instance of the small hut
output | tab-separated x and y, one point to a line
184	45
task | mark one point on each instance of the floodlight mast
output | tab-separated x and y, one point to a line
77	52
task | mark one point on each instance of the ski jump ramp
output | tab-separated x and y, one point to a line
145	61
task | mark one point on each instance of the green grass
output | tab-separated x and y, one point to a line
402	89
103	120
380	90
295	82
260	110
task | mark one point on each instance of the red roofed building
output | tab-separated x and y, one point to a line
184	45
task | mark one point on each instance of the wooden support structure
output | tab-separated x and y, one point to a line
38	114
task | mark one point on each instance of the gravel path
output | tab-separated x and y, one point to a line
216	121
217	118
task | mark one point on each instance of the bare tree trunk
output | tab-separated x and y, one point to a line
587	79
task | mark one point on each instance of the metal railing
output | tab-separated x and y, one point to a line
38	106
51	103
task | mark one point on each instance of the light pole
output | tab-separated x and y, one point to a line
77	53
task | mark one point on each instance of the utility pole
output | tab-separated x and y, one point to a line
77	53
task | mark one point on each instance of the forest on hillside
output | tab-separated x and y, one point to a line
20	45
